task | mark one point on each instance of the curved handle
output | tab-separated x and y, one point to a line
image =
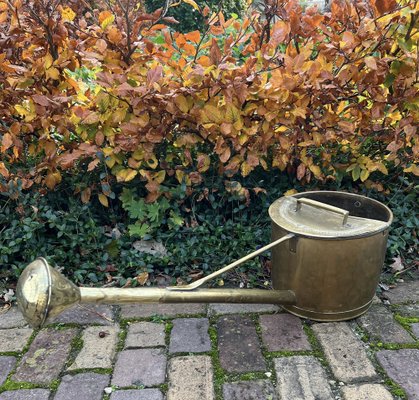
324	206
199	282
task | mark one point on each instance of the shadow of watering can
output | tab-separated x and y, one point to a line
328	249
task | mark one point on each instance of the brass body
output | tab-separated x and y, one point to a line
323	278
333	279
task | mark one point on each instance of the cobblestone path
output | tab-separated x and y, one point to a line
216	351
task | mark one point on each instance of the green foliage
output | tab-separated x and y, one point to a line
148	217
189	19
33	225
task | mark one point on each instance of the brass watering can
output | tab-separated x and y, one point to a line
328	251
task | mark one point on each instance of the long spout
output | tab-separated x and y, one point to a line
43	293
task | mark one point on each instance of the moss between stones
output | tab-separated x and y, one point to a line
122	335
11	385
219	375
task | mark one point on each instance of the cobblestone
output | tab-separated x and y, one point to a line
99	344
379	323
46	356
408	310
88	386
190	335
143	394
227	308
238	345
366	391
142	367
165	310
249	390
6	365
145	334
82	314
344	352
140	371
301	377
403	367
190	378
14	339
404	292
12	319
283	332
28	394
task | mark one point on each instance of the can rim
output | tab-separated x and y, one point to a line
300	231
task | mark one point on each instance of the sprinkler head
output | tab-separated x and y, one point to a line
43	293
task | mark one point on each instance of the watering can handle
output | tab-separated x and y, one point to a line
199	282
324	206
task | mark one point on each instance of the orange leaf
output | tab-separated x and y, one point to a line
194	36
6	142
384	6
93	164
114	35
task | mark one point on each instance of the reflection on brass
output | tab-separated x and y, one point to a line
334	279
322	269
43	293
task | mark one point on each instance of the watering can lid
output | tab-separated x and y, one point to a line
306	217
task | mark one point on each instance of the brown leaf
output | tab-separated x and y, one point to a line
301	171
215	53
85	195
154	75
384	6
7	142
142	278
41	100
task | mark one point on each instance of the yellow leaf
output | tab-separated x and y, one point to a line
192	3
245	168
142	278
103	200
48	60
316	171
51	180
52	73
232	114
414	169
364	175
213	114
160	176
182	103
179	175
105	19
67	14
126	175
290	192
152	162
110	161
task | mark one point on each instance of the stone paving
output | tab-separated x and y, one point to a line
213	352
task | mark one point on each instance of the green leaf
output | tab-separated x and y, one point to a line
389	80
113	248
138	229
137	209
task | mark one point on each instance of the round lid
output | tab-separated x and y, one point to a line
308	217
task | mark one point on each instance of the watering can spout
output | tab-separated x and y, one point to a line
43	293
